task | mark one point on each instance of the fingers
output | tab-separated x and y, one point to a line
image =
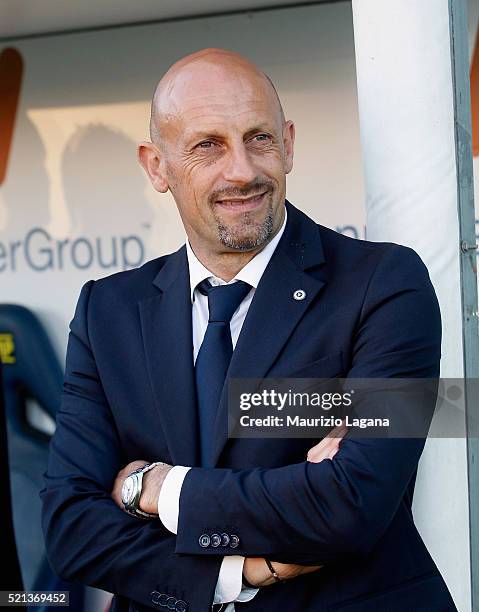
316	455
329	445
116	493
286	571
308	569
128	469
337	432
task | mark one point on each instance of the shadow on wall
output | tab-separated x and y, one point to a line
103	184
97	214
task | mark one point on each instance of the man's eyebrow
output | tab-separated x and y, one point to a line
262	127
197	135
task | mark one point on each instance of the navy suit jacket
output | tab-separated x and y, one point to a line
370	311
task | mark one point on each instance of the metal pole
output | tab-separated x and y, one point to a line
468	262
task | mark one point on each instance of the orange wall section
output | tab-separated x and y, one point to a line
11	70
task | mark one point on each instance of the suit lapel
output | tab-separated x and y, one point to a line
168	343
274	312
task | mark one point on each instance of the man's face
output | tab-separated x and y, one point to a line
226	153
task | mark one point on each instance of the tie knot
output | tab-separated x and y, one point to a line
223	300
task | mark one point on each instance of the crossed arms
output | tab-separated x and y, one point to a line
282	513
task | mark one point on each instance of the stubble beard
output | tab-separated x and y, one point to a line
247	234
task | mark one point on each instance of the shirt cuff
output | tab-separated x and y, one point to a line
230	582
169	497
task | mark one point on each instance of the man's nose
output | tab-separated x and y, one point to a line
239	167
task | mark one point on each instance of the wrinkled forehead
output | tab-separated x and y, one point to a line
206	89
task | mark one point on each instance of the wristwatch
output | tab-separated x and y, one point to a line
131	491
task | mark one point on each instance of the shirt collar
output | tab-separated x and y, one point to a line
251	273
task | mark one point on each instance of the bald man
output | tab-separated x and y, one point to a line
145	495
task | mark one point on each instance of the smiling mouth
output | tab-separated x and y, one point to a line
243	204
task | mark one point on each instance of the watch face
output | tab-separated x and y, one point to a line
127	490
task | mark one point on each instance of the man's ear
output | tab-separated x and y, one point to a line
288	140
152	161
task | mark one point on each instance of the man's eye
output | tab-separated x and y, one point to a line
206	144
261	137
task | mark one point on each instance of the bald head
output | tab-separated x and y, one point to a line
207	72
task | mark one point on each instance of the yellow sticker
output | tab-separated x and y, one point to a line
7	348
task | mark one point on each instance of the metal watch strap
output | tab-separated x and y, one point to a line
149	466
135	511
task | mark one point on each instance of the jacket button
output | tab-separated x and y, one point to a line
162	600
225	539
215	540
181	606
155	596
234	541
171	603
204	540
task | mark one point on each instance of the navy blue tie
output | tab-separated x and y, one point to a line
214	357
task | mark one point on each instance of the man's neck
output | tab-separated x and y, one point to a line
225	265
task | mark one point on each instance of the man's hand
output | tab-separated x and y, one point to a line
258	573
152	483
255	569
329	445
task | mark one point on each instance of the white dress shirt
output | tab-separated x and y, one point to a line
229	584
